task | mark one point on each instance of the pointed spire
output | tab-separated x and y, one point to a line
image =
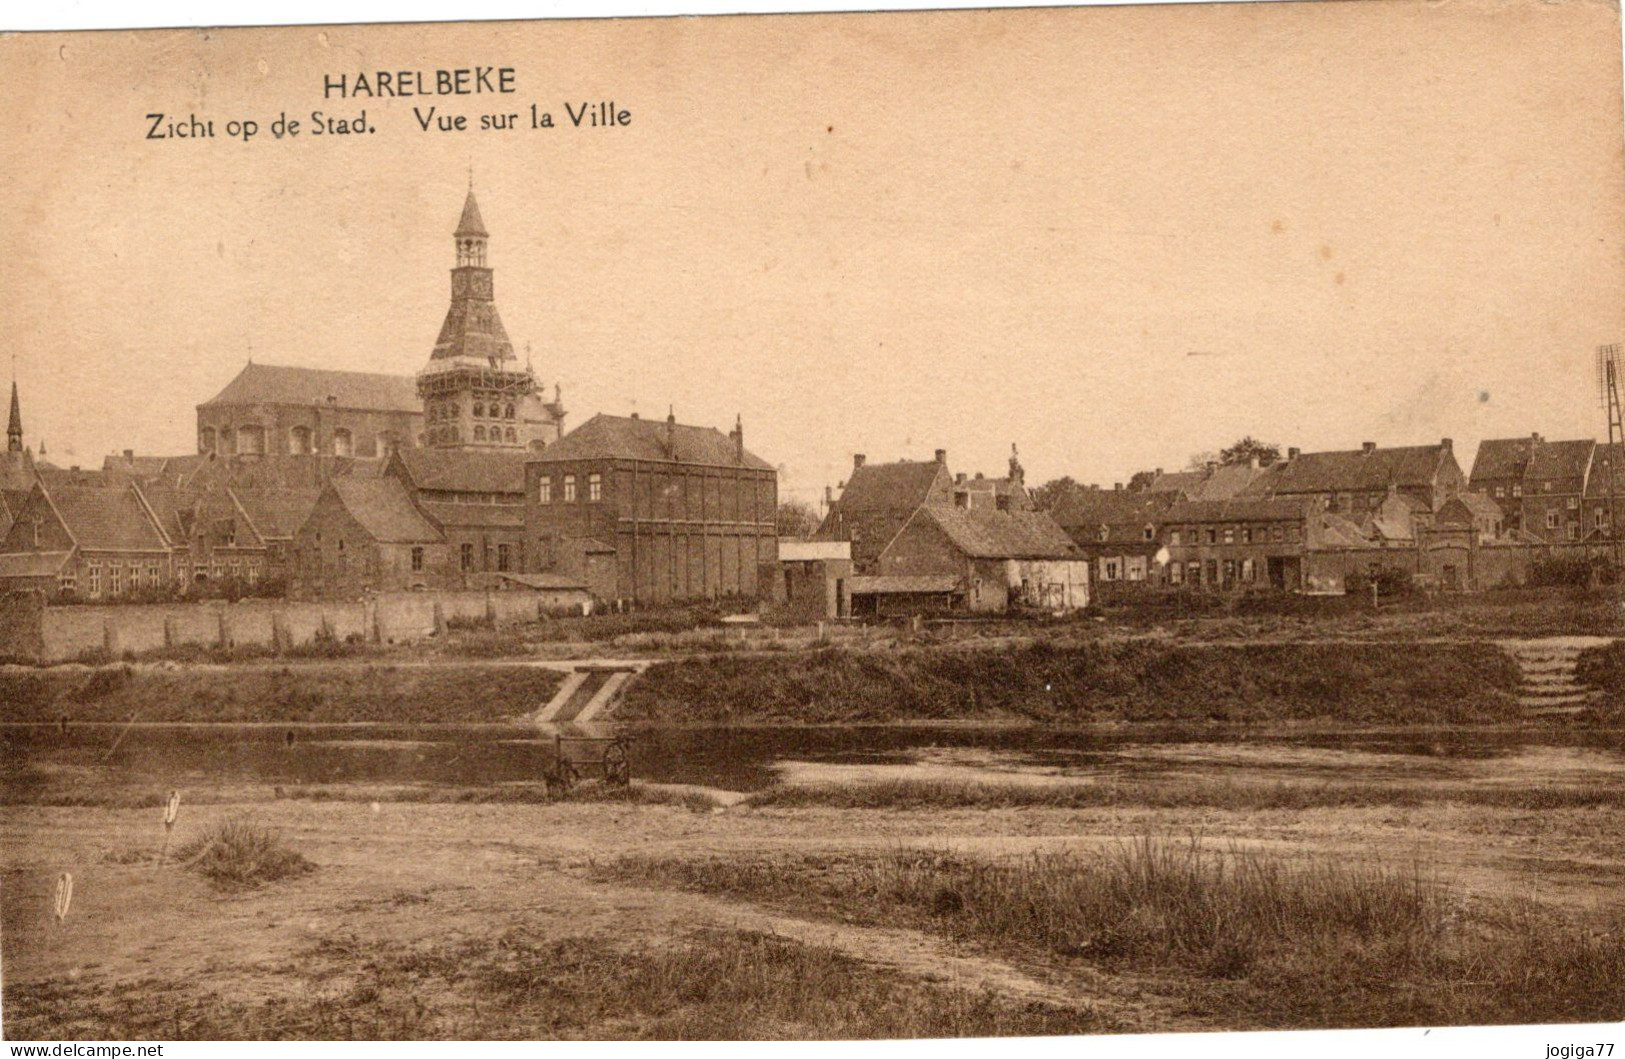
470	222
14	429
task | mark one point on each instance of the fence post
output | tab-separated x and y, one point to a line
225	628
169	630
281	640
439	618
109	637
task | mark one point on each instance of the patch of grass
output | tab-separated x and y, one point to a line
237	854
708	985
1270	941
510	793
364	692
1217	794
1138	680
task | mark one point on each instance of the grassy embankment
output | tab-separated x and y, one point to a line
707	985
1267	941
1132	681
379	693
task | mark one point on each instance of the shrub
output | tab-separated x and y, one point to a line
239	854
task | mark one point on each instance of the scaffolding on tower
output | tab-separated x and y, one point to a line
1608	367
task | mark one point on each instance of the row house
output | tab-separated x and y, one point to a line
1355	482
1118	531
1552	492
653	511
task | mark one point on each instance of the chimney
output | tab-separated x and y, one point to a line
1157	473
129	454
738	435
959	479
829	496
1535	437
1117	487
1368	447
1212	465
671	432
942	455
857	460
1447	445
1293	452
634	415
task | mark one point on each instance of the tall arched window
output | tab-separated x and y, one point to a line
343	443
479	433
511	436
479	410
228	441
251	440
507	413
299	441
205	439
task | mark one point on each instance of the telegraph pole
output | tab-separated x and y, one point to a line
1608	363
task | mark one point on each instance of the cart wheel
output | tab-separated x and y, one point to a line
617	766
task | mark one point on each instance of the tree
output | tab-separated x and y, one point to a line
1141	481
797	518
1244	450
1046	496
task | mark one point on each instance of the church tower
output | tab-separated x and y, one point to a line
476	394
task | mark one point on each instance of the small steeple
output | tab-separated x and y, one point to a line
1017	474
14	429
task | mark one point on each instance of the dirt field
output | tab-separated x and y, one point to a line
514	920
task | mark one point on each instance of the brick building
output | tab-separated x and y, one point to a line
476	499
87	540
877	501
652	512
1119	531
365	535
270	410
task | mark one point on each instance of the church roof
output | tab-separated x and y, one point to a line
470	223
631	438
282	385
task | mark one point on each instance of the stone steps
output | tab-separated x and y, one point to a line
1549	686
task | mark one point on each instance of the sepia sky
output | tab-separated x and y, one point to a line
1115	236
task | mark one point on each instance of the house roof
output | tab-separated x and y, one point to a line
1355	471
31	564
276	512
905	585
1477	506
1242	509
283	385
633	438
1501	458
1608	463
174	508
903	485
465	471
1339	532
992	534
106	518
1559	459
1176	482
1091	508
385	510
1225	482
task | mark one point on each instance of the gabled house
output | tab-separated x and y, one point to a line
998	560
87	541
879	499
366	535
